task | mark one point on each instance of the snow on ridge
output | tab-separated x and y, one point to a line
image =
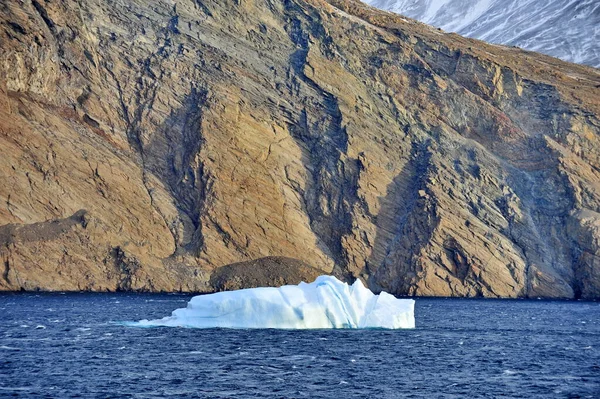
567	29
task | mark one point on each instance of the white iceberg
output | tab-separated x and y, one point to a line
324	303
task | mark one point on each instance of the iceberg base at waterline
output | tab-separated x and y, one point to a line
324	303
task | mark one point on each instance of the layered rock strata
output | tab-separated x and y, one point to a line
145	144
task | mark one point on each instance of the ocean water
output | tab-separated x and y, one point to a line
72	346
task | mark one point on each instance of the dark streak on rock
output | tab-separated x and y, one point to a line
42	231
17	28
44	15
6	270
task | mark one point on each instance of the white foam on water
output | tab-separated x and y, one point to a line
9	348
324	303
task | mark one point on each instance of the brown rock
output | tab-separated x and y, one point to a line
200	134
271	271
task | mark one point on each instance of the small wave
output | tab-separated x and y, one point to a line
140	324
9	348
40	327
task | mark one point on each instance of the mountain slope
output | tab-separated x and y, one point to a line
567	29
147	144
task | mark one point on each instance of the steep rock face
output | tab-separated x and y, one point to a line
146	144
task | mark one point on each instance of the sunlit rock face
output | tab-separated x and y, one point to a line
324	303
567	29
146	144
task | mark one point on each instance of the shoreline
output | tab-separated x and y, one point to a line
192	294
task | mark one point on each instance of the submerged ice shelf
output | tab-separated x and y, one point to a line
324	303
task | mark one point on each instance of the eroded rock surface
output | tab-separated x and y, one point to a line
270	271
147	143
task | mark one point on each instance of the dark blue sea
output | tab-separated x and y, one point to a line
72	346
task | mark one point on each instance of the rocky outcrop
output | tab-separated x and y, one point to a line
202	133
270	271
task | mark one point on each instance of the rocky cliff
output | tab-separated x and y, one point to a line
145	144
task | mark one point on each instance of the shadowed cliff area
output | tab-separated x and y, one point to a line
203	133
271	271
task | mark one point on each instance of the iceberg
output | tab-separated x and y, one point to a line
324	303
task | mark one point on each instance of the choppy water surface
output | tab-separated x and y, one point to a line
61	346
